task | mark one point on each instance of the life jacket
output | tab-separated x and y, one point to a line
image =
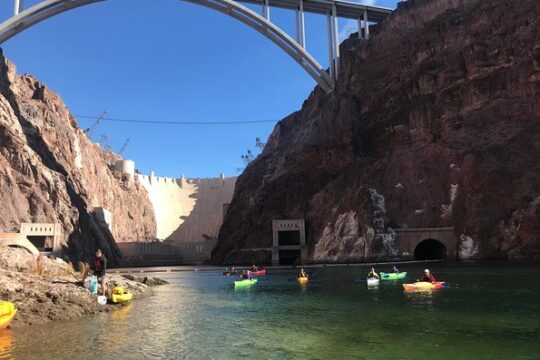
99	264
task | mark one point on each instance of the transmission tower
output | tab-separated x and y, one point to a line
126	143
96	123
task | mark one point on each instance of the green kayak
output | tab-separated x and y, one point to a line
244	283
393	276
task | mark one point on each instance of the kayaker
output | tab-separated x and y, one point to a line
396	271
254	268
427	277
247	275
373	274
302	273
233	269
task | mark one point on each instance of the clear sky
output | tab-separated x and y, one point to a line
175	61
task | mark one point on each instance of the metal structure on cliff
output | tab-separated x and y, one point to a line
24	18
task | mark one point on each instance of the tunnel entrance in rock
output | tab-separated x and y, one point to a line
289	257
430	249
42	243
288	237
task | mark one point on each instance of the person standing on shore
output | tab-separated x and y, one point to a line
100	269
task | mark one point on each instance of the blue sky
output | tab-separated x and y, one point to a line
170	60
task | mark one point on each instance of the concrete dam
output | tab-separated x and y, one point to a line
188	212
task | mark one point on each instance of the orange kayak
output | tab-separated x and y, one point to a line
7	313
423	286
302	280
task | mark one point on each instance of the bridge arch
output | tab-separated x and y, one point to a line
430	249
49	8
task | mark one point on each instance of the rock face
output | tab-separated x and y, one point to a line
51	172
435	121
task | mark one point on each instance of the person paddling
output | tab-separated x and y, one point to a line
427	277
247	275
396	270
373	274
302	273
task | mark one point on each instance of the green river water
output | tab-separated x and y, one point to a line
488	311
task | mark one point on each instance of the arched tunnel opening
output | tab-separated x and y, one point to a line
430	249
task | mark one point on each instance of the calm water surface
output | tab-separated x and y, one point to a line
489	311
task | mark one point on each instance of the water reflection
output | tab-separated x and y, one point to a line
6	343
422	299
202	316
122	313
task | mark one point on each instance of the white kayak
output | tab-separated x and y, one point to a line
372	281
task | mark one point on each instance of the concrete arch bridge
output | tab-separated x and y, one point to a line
25	17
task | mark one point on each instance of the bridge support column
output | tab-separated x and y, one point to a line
17	7
330	45
266	10
300	25
336	41
366	25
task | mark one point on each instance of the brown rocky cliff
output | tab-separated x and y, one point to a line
435	121
51	172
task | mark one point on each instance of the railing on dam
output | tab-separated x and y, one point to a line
165	253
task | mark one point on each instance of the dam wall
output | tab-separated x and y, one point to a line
188	210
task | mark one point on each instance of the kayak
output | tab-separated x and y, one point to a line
423	285
120	298
244	283
372	281
302	280
261	272
393	276
119	295
7	313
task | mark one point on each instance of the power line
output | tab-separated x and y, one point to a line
165	122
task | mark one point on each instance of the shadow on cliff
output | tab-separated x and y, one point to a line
203	222
80	244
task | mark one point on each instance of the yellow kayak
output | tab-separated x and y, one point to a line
7	313
119	295
302	280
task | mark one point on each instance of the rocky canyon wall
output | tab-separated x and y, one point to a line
435	121
51	172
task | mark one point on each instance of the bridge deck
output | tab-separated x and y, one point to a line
344	9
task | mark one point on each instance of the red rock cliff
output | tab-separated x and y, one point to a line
51	172
435	121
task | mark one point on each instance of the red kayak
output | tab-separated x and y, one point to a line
258	272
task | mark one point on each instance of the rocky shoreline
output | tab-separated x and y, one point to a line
50	289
